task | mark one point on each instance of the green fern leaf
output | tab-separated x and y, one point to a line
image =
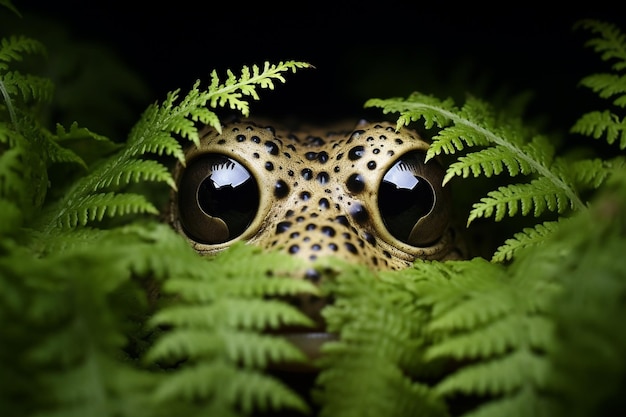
529	236
435	112
136	170
602	123
230	93
233	387
535	197
14	48
605	85
610	44
488	161
505	375
95	207
29	86
379	349
244	313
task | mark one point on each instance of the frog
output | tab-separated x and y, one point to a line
363	192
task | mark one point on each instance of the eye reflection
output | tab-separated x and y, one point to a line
218	199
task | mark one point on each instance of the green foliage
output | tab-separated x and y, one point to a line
106	311
610	46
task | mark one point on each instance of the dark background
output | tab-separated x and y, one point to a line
359	50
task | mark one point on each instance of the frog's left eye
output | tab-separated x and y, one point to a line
217	199
412	201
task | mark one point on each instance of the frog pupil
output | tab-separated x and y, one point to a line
404	196
219	199
229	192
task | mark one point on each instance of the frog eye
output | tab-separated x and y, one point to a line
217	199
412	201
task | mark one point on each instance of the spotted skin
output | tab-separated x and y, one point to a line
318	193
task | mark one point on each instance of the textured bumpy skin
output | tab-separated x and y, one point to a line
318	193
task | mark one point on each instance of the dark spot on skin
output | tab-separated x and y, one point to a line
255	139
269	166
355	183
281	189
221	141
240	138
305	195
337	169
290	173
306	173
323	177
292	147
316	247
359	213
282	227
294	235
287	155
299	219
294	249
339	156
371	165
315	141
322	157
289	213
376	151
256	155
374	261
387	254
343	220
355	135
324	204
310	156
333	247
369	238
351	248
328	231
310	227
271	147
390	153
356	153
399	141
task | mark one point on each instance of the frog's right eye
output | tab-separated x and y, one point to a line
217	199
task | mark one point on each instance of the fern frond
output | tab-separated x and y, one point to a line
14	48
95	207
250	390
230	92
500	376
602	123
30	87
136	170
435	112
529	236
607	86
248	313
611	43
379	349
489	161
535	197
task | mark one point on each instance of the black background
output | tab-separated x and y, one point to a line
359	50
